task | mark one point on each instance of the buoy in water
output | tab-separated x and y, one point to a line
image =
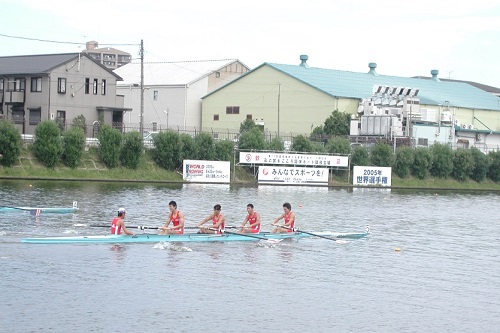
300	205
397	249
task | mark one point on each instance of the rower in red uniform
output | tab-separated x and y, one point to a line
289	218
177	219
253	218
118	224
218	222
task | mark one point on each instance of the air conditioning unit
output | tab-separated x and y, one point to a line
464	126
471	126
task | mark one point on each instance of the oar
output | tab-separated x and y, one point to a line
140	227
252	236
308	233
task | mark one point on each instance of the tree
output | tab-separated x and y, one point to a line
463	164
403	161
442	160
167	151
206	146
481	165
80	122
73	146
252	139
422	162
47	147
381	155
10	143
302	144
337	124
132	150
110	143
247	125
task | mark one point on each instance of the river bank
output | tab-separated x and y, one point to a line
91	169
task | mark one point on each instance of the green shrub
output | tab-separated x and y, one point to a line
10	143
132	149
302	144
381	155
494	169
403	161
81	123
47	147
224	150
422	162
360	156
110	143
442	160
73	146
463	164
252	139
276	144
481	165
189	151
338	145
167	151
205	146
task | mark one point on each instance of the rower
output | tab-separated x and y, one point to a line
218	222
253	219
118	224
177	219
288	216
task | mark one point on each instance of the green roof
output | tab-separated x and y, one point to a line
360	85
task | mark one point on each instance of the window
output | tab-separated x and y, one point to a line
36	84
18	115
217	74
423	142
155	95
19	85
216	117
94	86
35	116
103	87
61	85
249	117
87	85
1	85
232	110
61	119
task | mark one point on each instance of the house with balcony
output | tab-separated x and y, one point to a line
59	87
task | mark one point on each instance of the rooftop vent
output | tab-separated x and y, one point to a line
372	66
303	61
434	74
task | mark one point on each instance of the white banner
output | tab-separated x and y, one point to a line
206	171
371	176
293	175
295	159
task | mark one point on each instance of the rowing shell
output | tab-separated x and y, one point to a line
38	210
154	238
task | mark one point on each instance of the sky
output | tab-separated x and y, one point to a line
404	38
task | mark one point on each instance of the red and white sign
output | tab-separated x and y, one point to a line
293	175
329	161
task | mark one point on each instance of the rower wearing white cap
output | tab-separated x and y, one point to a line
118	224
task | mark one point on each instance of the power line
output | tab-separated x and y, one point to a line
60	42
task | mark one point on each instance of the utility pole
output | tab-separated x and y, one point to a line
141	125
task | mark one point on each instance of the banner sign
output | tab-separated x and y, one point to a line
293	175
295	159
371	176
206	171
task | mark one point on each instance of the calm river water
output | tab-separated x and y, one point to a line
445	278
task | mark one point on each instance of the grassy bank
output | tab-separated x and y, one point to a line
91	169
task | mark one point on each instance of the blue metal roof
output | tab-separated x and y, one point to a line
360	85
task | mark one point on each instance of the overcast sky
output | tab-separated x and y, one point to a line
405	38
